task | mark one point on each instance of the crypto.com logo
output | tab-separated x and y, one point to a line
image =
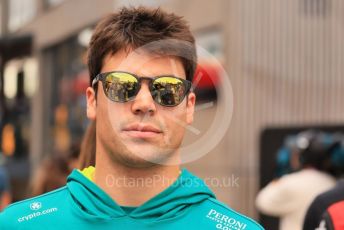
224	104
35	206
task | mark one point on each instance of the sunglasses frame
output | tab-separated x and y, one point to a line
102	77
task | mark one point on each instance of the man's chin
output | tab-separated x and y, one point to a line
142	157
135	161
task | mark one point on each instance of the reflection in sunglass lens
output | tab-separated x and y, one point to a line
120	87
168	91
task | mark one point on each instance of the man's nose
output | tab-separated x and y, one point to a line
143	103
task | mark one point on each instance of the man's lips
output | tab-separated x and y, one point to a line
141	131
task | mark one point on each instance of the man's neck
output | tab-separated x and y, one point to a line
130	186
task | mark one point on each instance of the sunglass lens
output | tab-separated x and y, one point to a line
168	91
120	87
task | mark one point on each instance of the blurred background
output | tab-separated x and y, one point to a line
284	60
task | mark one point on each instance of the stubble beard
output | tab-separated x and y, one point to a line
138	153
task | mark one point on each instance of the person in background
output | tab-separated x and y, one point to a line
327	210
51	175
54	170
289	196
88	147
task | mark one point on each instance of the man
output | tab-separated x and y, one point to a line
141	63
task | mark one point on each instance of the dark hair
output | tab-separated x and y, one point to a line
135	27
317	151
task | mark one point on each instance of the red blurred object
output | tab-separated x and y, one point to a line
207	76
81	83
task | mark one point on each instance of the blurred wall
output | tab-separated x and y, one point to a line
285	63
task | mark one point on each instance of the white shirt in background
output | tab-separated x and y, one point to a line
290	196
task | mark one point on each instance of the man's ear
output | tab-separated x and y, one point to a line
91	103
190	108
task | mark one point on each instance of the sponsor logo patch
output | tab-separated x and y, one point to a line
35	206
224	222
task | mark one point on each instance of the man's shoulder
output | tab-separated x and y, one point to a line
49	197
224	217
28	209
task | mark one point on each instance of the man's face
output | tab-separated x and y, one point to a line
139	133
